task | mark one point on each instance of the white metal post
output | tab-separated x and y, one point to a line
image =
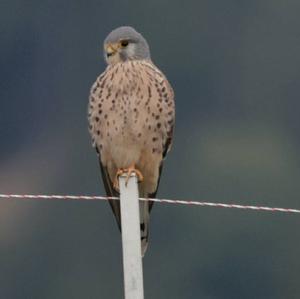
131	238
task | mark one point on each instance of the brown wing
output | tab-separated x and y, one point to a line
169	139
97	92
110	192
167	147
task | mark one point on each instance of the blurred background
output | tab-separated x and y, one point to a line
235	69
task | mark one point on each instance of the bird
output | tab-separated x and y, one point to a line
131	115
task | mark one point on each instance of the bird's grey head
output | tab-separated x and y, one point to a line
123	44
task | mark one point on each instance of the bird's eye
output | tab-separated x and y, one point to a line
124	43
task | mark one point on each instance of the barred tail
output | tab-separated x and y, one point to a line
144	225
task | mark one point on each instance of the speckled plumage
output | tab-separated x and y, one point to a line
131	118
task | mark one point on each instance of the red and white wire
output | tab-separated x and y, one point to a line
168	201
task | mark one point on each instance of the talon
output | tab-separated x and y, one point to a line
129	171
116	185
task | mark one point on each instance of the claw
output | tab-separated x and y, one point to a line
131	169
116	186
128	171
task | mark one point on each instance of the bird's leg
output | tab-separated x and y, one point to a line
131	169
120	171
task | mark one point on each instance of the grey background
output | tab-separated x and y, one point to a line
234	66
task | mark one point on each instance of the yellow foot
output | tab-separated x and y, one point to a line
131	169
120	171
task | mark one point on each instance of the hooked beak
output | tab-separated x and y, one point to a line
111	49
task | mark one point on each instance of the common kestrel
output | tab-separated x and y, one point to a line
131	118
